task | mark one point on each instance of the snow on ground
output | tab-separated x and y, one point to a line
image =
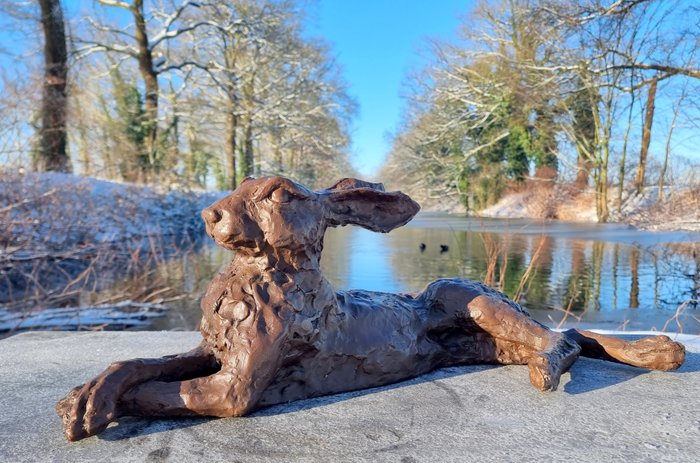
680	209
58	211
65	240
513	206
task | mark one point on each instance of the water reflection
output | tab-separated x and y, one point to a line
585	276
636	285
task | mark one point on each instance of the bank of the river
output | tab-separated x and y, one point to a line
65	237
53	212
678	210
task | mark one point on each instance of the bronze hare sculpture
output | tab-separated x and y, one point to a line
275	330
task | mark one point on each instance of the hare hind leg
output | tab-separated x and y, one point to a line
653	352
522	340
508	335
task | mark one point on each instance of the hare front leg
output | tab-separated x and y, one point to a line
246	371
519	339
87	409
233	391
222	394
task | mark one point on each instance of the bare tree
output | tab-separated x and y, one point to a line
283	106
149	49
646	136
667	151
53	154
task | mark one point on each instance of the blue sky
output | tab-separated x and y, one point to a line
377	42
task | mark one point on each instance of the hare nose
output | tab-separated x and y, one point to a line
211	215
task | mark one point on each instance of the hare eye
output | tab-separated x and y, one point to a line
280	195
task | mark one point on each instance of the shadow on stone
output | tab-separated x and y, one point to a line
130	427
586	376
589	375
322	401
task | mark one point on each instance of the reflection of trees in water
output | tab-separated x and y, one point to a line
616	260
578	287
336	258
677	273
597	267
538	290
414	269
593	276
468	257
511	262
634	277
585	274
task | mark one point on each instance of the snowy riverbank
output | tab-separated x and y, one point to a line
65	238
52	210
679	210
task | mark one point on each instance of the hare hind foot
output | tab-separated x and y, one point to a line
654	353
546	367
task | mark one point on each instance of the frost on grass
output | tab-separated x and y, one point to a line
62	234
53	210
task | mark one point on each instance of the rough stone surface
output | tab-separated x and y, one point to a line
601	412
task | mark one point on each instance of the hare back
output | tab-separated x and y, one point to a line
372	339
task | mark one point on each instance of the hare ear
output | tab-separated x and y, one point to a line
369	208
351	183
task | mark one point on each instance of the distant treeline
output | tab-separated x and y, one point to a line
194	93
552	91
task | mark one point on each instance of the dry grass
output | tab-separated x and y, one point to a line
496	253
543	201
61	246
677	318
679	210
546	201
525	279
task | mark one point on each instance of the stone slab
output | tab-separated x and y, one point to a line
602	412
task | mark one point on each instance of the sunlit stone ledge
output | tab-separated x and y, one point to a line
602	412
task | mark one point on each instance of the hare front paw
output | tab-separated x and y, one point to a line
89	408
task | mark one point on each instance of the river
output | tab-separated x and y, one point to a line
584	275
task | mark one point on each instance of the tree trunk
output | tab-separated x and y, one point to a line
582	173
53	151
623	157
191	177
106	150
603	178
247	163
231	127
150	80
597	263
174	140
646	137
664	167
84	150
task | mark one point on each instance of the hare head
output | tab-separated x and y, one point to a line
277	213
